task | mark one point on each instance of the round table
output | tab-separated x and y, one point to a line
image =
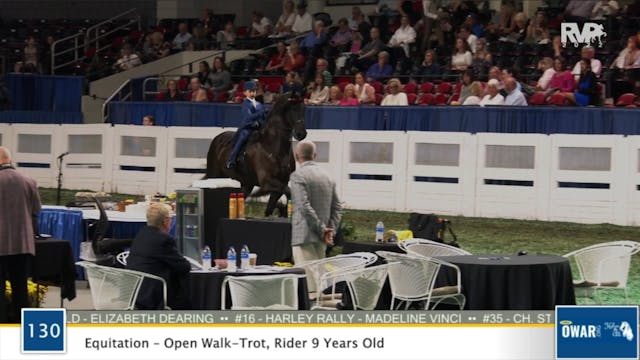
371	246
511	282
206	287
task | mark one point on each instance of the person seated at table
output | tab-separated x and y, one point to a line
154	252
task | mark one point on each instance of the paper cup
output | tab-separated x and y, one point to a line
253	259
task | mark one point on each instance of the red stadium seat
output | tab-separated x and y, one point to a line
377	85
538	98
242	31
210	95
182	84
426	87
440	99
557	100
458	87
117	42
222	97
426	99
272	87
343	84
454	97
626	100
378	99
411	98
444	87
340	79
410	87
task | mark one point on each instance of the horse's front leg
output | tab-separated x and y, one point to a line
271	205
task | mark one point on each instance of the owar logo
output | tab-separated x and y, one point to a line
591	34
603	332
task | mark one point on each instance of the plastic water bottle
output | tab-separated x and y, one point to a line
231	259
206	258
244	258
379	231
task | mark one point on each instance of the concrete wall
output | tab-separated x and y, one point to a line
74	9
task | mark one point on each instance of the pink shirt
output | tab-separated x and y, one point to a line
348	102
563	81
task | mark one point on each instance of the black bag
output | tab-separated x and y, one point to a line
431	227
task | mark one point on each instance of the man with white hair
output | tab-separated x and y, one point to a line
154	251
588	52
316	207
303	20
514	97
493	96
19	209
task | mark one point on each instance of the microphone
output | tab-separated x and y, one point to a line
63	155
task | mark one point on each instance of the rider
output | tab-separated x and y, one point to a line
253	117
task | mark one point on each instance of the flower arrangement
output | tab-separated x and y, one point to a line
36	294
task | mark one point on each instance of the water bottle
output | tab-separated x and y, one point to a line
206	258
289	209
244	258
231	259
379	231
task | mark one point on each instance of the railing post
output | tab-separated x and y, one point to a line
53	58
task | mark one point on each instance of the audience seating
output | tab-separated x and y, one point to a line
557	100
539	98
626	100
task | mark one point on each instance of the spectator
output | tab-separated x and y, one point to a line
204	71
314	39
604	8
292	83
466	35
502	22
504	75
19	209
518	32
361	25
538	30
321	68
474	25
558	49
199	40
334	96
578	10
587	88
208	22
198	94
365	93
182	39
226	38
546	66
462	57
318	90
261	25
31	52
402	38
294	60
128	60
562	80
633	9
356	45
514	96
475	94
468	77
220	77
396	96
154	251
341	39
349	98
482	59
381	69
628	56
172	93
45	56
493	96
588	53
369	51
303	21
286	20
276	64
155	47
429	68
495	73
148	120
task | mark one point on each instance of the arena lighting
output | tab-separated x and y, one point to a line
580	331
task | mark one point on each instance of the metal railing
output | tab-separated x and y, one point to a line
77	49
120	96
93	35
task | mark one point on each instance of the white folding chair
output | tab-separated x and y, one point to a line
325	273
365	285
412	278
195	265
122	257
116	289
603	266
264	292
429	248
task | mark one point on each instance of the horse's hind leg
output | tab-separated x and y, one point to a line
282	208
271	205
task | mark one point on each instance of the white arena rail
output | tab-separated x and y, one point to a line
35	149
588	178
441	173
512	176
6	136
633	187
139	159
88	165
329	149
374	169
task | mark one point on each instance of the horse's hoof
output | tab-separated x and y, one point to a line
231	164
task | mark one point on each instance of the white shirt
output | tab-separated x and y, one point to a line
472	100
600	10
496	100
261	26
472	40
399	99
515	98
545	79
462	59
128	62
363	97
302	23
596	67
181	40
404	36
286	20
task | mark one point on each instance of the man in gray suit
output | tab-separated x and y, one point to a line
316	207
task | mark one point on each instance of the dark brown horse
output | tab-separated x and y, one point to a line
267	159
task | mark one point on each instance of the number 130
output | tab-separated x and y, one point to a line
45	331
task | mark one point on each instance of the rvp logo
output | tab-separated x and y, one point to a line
591	32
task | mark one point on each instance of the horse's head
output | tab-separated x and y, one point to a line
291	107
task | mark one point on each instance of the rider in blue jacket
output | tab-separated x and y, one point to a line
253	117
